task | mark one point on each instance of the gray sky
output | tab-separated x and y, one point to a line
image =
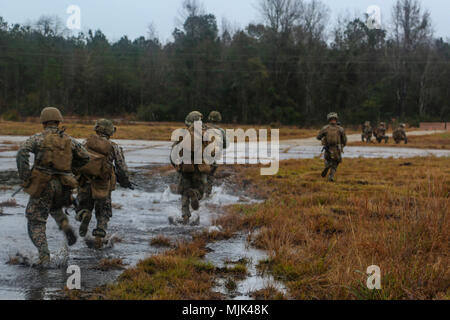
132	17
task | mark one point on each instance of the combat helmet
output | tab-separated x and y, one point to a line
215	116
403	125
332	115
367	123
105	126
383	124
51	114
192	117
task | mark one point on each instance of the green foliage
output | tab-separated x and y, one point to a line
257	75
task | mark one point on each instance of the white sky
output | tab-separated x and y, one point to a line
131	17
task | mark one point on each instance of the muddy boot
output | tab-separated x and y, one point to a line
99	233
194	199
69	233
84	216
325	172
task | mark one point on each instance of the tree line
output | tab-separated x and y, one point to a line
291	68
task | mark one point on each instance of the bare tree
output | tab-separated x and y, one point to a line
281	15
313	19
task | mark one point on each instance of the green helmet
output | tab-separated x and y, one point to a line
105	126
192	117
332	115
215	116
51	114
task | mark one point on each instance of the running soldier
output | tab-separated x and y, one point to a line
214	119
98	179
50	181
334	140
380	133
192	178
400	134
367	132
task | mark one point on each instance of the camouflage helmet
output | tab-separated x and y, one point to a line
215	116
383	124
105	126
51	114
332	115
403	125
367	123
192	117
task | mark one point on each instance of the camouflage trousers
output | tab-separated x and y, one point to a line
51	201
191	185
333	158
103	207
210	180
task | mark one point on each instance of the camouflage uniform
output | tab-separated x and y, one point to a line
55	195
103	207
380	133
333	154
400	134
367	132
191	185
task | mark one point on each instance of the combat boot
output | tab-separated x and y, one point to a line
325	172
84	216
99	233
69	233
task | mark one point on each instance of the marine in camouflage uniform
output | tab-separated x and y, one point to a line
55	189
333	152
115	160
400	134
191	185
214	119
380	133
367	132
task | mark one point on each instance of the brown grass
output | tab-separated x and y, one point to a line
161	241
160	131
110	264
9	203
321	237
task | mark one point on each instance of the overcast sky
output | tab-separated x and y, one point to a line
132	17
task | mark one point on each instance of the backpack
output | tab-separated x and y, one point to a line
202	168
56	152
333	137
98	166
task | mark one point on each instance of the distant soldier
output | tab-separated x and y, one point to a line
380	133
214	119
97	179
400	134
334	140
50	182
367	132
192	180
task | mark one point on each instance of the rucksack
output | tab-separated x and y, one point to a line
190	168
98	166
56	152
333	137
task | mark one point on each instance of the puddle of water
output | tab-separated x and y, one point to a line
139	216
236	249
